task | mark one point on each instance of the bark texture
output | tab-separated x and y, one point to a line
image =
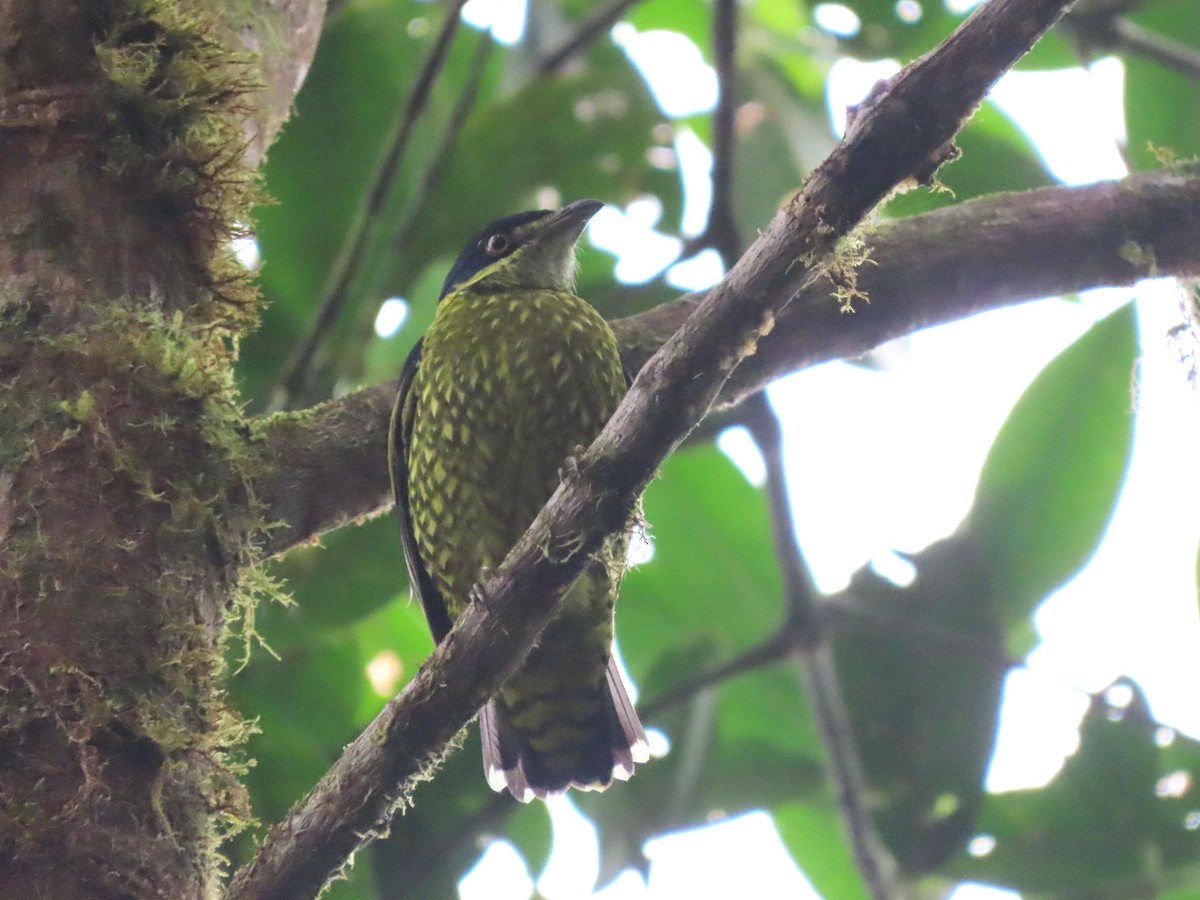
125	514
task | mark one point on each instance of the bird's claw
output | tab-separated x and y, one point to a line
570	466
477	593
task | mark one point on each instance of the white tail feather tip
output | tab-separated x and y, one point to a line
639	751
497	779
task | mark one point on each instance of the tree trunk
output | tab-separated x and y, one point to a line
125	516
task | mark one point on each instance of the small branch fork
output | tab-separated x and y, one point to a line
905	124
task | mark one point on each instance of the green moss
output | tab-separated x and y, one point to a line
1140	257
165	420
175	101
81	410
131	404
851	253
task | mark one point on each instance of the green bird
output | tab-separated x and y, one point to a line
514	374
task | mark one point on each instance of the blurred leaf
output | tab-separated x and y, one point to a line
921	669
350	575
713	578
592	129
318	171
816	837
780	16
1162	106
384	357
1113	824
1051	478
784	135
693	20
356	883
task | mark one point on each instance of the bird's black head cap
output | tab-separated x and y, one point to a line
529	250
477	254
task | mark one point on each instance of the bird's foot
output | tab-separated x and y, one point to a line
477	594
570	466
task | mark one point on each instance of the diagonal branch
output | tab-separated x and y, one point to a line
590	30
438	164
895	136
326	467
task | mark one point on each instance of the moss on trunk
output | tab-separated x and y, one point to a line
125	516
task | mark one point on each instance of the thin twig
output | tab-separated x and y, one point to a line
871	857
1117	34
811	640
842	611
771	649
437	165
590	29
347	265
803	605
720	232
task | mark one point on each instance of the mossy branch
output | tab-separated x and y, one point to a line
894	136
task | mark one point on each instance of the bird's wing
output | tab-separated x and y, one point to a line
399	440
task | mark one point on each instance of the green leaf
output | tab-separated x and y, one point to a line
1162	104
921	669
785	134
1051	478
713	579
693	20
349	576
1108	825
816	837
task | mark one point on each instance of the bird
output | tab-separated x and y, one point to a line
513	376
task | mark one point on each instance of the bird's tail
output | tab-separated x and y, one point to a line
574	738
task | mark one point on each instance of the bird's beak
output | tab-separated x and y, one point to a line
573	218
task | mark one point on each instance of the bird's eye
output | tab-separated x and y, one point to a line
497	244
